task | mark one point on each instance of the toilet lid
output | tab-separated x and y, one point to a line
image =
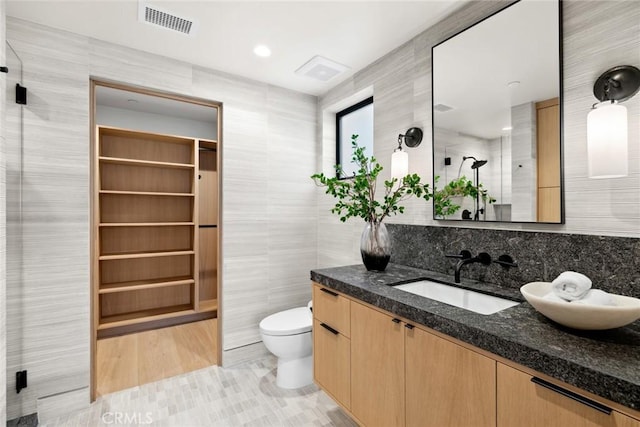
288	322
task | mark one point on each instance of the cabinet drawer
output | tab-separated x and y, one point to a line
331	308
525	403
332	362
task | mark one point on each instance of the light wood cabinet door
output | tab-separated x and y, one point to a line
523	403
332	308
549	207
331	362
548	143
548	153
377	367
447	385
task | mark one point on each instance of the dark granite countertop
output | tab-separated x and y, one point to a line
605	363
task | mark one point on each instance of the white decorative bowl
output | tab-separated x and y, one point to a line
582	316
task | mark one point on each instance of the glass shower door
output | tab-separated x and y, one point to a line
14	140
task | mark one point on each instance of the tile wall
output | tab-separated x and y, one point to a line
269	204
401	82
611	262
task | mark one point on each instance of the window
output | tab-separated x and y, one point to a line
355	120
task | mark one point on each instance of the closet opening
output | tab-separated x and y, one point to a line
155	209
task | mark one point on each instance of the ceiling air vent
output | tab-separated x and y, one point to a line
155	16
321	68
441	108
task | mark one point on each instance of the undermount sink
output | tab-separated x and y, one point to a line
463	298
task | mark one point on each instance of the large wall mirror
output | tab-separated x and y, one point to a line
497	138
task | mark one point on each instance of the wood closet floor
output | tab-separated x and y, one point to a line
135	359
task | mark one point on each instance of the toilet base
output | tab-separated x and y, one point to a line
294	373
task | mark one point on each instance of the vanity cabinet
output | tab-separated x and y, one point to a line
331	344
524	403
377	367
388	372
404	375
447	384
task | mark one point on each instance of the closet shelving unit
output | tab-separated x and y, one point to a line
147	232
208	201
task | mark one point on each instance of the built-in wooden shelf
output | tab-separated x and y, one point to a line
153	265
153	254
147	163
145	224
208	143
208	305
138	285
146	193
143	316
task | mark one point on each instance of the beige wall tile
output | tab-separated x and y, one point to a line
268	145
401	83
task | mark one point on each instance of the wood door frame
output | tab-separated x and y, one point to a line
95	82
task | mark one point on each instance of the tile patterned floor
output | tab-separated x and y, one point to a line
245	395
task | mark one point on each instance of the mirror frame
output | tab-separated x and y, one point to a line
560	121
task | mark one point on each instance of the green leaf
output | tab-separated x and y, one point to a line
357	195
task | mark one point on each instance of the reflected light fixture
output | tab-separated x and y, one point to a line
607	122
400	158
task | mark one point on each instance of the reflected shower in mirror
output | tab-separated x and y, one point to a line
496	118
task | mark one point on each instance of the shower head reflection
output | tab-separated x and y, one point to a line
476	163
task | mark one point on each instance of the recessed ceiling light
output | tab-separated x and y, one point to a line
507	128
262	51
513	84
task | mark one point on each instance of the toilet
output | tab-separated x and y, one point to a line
287	335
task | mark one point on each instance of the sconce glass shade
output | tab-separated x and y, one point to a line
607	141
399	164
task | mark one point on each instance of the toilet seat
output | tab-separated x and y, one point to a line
288	322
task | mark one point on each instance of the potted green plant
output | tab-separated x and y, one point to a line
357	198
444	199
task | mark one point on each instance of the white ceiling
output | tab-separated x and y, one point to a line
353	33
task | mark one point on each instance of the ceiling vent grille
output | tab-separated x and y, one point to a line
321	68
155	16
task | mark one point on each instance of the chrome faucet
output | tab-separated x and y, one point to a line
466	258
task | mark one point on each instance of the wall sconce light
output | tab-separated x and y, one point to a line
400	158
607	122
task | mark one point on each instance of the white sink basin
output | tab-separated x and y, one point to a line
463	298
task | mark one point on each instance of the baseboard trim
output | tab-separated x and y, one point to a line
246	353
59	404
